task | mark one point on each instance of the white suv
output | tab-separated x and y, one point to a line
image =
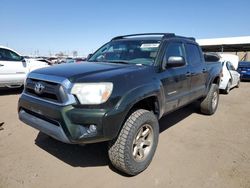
14	68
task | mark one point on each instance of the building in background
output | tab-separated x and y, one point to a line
233	45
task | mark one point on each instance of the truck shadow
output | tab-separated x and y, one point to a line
10	91
96	154
74	155
171	119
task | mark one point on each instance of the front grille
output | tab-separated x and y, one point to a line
52	121
52	91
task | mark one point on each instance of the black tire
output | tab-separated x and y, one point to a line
209	105
122	150
227	90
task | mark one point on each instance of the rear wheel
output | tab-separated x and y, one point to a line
209	105
135	146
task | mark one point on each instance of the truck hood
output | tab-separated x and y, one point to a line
88	71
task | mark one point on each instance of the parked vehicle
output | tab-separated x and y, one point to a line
69	60
53	60
14	68
75	60
211	56
80	60
234	59
230	77
120	94
46	61
244	70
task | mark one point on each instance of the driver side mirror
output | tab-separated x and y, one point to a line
23	61
89	56
175	61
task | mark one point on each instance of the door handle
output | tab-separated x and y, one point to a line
1	65
188	74
204	70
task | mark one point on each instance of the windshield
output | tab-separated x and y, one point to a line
128	51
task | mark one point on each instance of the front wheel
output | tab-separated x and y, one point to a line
135	146
209	105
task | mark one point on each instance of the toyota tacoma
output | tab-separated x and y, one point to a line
120	93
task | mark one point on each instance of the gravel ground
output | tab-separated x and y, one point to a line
193	151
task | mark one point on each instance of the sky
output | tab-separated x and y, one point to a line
45	27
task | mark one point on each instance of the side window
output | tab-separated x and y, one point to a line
7	55
2	54
174	49
230	66
193	54
14	56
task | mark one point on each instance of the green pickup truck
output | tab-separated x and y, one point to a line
119	94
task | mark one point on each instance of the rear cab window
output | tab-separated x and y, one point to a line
230	66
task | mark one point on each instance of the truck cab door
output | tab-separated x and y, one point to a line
175	80
12	67
198	70
234	74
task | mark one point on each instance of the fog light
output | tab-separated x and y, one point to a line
86	131
92	129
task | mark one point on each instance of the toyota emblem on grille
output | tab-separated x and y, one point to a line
39	87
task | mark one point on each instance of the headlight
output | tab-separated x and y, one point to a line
92	93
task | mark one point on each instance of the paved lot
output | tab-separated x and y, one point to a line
194	151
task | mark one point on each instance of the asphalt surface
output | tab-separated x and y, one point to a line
193	151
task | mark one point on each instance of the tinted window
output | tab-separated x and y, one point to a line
230	66
174	49
193	54
7	55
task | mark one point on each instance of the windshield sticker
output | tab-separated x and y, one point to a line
153	45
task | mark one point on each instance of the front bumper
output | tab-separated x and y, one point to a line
44	126
68	123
